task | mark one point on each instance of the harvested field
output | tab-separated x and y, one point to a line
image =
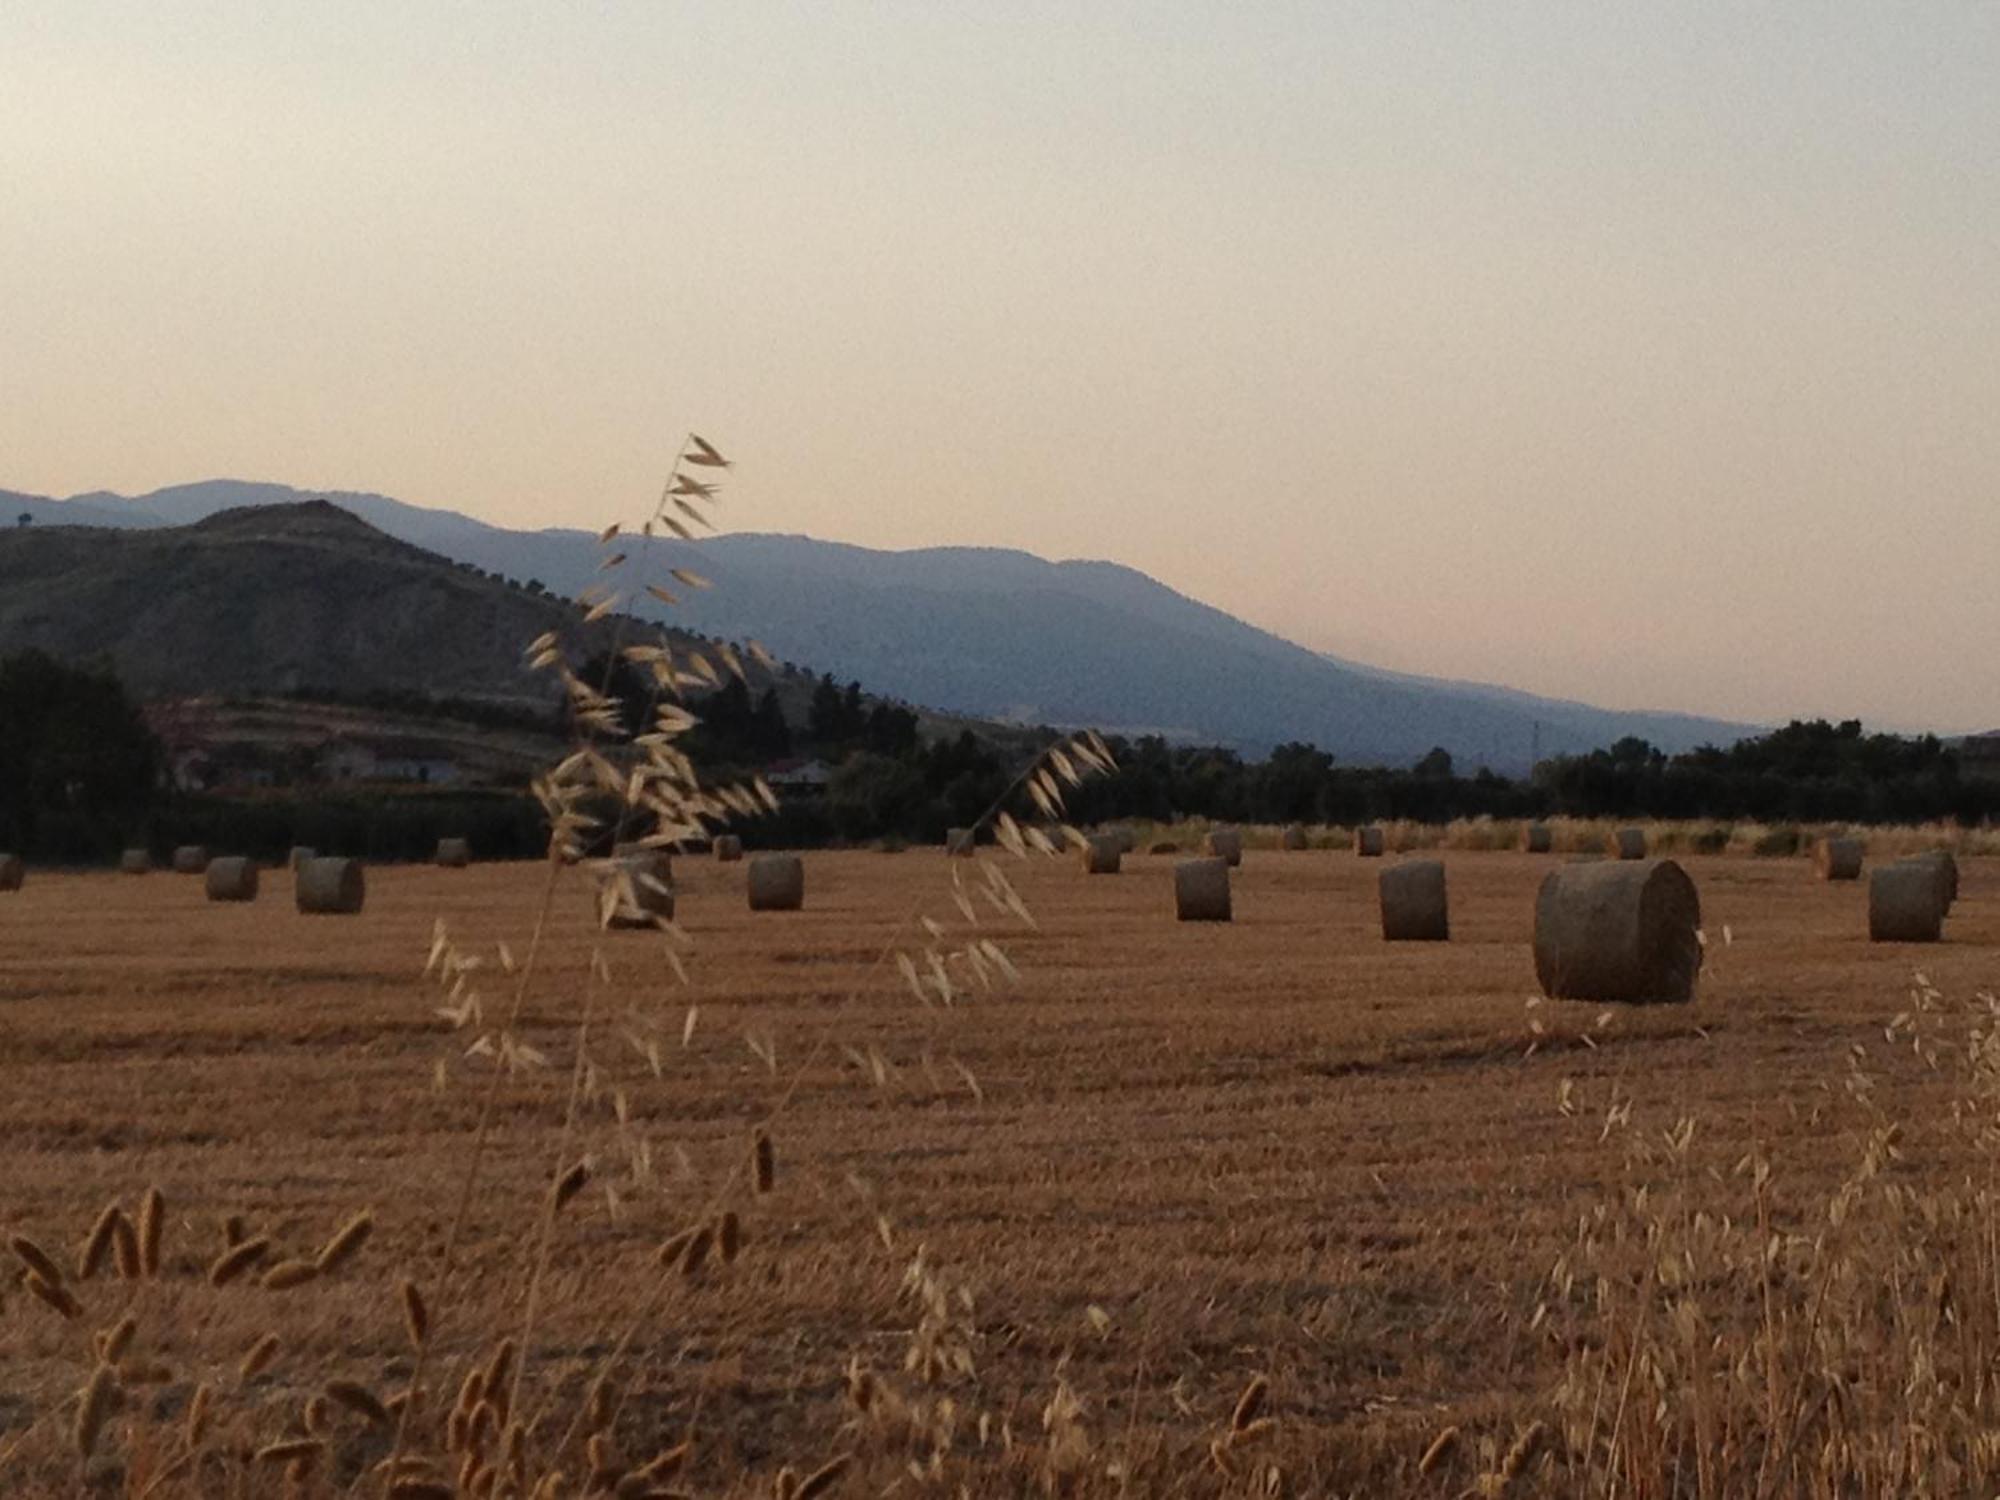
1175	1157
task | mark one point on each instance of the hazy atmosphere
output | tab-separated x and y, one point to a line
1646	355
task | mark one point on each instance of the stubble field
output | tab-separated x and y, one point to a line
1170	1160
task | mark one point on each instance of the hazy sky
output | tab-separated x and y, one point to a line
1645	353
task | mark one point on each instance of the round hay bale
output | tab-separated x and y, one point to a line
1413	902
1540	839
299	855
135	862
231	878
1201	890
1293	838
959	842
1945	864
330	887
1618	930
643	882
728	849
777	882
1224	843
1128	841
1369	841
190	859
1103	854
1165	846
454	854
1906	903
1839	859
12	872
1629	843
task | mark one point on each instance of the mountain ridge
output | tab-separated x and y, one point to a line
1000	632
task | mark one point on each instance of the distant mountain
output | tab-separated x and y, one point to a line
999	633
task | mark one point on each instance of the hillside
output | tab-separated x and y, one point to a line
999	633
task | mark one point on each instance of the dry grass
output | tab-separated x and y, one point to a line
1046	1239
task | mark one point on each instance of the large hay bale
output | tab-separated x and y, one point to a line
1225	844
1540	839
1201	890
1413	902
330	887
1293	838
12	872
1103	854
728	849
299	855
1617	930
454	854
1369	841
959	842
190	859
641	885
1839	859
1629	843
777	882
1906	903
135	862
231	878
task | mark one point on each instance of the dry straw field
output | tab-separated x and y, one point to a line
1267	1207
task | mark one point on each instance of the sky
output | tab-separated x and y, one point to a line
1644	354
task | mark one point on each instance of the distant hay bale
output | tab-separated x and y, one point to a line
12	872
1618	931
1839	859
1165	846
454	854
135	862
1201	890
1103	854
1369	841
1293	838
777	882
1413	902
1906	902
190	859
645	879
1629	843
1945	864
728	849
959	842
1540	839
1128	841
1224	843
231	878
330	886
299	855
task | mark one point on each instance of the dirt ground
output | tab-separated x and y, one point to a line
1171	1159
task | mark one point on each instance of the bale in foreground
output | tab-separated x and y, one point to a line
643	882
1540	838
1201	890
1839	859
1413	902
330	886
1103	854
12	872
454	854
1906	903
777	882
231	878
1623	931
135	862
728	849
1368	841
1224	844
1293	838
1629	843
